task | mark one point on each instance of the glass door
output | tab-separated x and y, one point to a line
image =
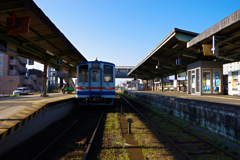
193	81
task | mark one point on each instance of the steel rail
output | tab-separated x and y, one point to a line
204	140
44	150
170	141
90	143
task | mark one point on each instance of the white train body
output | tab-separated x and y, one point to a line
95	83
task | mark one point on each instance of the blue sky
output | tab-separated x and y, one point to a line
125	31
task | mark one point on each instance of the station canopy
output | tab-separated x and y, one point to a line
43	41
166	53
227	38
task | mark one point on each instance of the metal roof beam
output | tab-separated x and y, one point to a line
11	10
168	59
42	39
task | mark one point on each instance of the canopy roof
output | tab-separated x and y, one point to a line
43	35
166	52
227	33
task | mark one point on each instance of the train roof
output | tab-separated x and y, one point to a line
96	62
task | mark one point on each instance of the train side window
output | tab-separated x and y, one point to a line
95	76
83	73
108	73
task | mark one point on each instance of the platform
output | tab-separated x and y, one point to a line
219	113
16	111
226	99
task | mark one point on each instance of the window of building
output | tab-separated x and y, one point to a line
1	63
1	54
216	80
11	57
206	80
1	73
11	67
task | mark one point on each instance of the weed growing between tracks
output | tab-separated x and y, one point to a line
153	145
109	145
188	125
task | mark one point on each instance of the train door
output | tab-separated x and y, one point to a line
95	87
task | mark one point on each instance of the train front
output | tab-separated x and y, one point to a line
95	83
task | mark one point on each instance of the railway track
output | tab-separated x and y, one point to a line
75	141
190	145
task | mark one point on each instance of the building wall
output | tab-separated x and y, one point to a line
9	83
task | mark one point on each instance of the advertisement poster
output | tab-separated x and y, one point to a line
217	78
208	79
203	80
235	75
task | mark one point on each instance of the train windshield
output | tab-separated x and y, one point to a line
83	73
108	73
95	76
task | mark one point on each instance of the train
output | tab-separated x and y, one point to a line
95	83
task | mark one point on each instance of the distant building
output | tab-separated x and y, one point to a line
13	74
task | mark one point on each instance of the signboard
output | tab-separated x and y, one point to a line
59	62
30	62
8	48
178	62
3	45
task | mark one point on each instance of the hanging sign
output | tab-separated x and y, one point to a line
178	62
8	48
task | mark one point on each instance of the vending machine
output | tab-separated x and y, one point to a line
233	83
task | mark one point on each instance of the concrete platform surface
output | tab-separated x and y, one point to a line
226	99
12	105
16	111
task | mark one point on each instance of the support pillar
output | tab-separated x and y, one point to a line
162	83
137	84
46	62
147	84
61	82
70	78
175	83
153	85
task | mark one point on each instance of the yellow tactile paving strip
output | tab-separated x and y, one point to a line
17	120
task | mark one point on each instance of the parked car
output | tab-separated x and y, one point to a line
21	90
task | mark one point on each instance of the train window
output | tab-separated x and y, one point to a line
95	76
108	73
83	73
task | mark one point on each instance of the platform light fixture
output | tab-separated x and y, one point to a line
71	65
49	52
185	55
64	61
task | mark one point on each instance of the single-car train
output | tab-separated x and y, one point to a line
95	83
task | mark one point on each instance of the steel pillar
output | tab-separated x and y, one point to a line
162	83
147	84
175	79
153	85
61	82
70	78
46	62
